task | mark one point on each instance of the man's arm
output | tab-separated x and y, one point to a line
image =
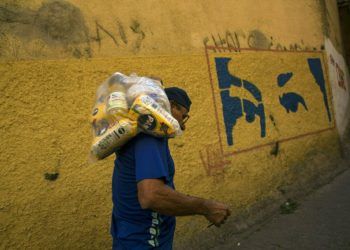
155	195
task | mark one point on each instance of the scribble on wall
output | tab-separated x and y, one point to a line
255	39
213	160
99	29
230	40
137	35
339	79
340	73
136	28
121	31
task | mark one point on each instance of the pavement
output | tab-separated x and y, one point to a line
321	221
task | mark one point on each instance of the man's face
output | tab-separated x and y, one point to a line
180	113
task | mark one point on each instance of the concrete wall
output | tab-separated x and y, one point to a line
262	126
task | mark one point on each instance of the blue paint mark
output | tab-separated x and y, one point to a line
232	109
317	72
282	79
291	100
252	89
251	111
232	105
224	76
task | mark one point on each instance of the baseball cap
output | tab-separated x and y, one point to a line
179	96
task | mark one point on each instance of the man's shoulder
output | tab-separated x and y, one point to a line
143	142
144	136
148	140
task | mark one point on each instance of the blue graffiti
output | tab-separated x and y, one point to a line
282	79
252	89
317	72
232	109
233	106
290	100
224	76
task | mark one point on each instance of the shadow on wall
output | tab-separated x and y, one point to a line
55	24
344	19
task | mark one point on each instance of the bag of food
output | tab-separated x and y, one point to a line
152	118
125	106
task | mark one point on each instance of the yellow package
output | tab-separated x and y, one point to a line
109	133
152	118
126	105
113	138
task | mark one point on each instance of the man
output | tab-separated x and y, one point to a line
144	197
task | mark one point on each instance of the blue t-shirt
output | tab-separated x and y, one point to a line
144	157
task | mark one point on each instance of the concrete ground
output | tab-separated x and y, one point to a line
322	221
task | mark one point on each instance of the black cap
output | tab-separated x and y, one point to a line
179	96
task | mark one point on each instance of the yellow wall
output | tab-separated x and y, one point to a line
40	29
53	57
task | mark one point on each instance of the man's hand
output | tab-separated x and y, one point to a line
217	212
155	195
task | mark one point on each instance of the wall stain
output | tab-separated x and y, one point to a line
258	40
59	24
51	176
62	21
324	17
275	149
15	14
55	23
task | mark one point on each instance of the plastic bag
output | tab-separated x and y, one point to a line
125	106
153	118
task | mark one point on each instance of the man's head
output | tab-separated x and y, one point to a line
180	104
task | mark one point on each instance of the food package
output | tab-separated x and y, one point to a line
147	86
125	106
109	132
113	138
153	118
